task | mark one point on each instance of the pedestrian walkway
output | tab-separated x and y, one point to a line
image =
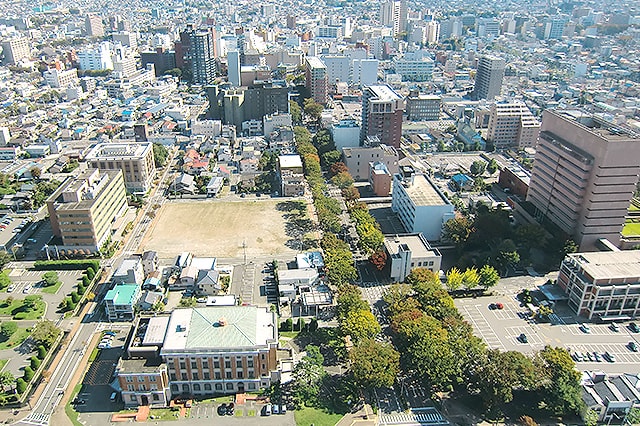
422	416
41	419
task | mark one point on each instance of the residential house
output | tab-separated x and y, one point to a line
208	283
129	272
149	262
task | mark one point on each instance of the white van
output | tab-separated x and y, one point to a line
267	410
114	396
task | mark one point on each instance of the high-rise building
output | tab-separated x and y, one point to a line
126	38
382	110
393	13
96	59
134	159
511	125
423	107
93	25
82	210
5	136
584	175
233	67
201	55
162	60
364	72
16	49
489	77
264	98
317	79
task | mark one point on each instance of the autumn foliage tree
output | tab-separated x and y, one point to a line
379	259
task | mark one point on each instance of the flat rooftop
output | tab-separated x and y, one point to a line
290	161
418	245
315	62
423	193
119	150
384	93
147	365
611	264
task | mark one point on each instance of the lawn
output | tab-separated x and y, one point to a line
164	414
53	289
289	334
314	416
17	307
16	339
68	409
3	362
631	229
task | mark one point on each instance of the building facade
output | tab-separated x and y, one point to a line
358	160
16	49
584	176
143	382
317	79
489	77
420	206
134	159
408	251
382	110
512	125
602	284
82	210
120	301
202	57
423	107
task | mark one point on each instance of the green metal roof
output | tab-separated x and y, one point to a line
123	294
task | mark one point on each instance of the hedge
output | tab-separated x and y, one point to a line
59	265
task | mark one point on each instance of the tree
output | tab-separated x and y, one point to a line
7	329
342	180
5	258
350	194
507	254
35	172
188	302
300	324
454	279
477	167
5	281
470	278
313	325
338	168
313	109
90	273
330	158
349	299
531	235
160	154
360	324
296	112
42	352
21	386
492	167
561	389
307	376
75	297
31	302
6	380
35	363
488	276
45	333
458	230
28	373
50	278
374	364
371	238
288	324
379	259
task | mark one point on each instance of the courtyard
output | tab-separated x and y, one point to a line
220	228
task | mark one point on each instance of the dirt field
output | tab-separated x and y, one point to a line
218	229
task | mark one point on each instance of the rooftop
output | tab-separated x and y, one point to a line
422	192
119	150
417	244
146	365
123	294
610	264
220	327
384	93
290	161
315	62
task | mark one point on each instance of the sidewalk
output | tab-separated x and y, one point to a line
362	417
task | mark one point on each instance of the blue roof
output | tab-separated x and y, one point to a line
461	178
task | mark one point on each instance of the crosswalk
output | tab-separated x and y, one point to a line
430	417
41	419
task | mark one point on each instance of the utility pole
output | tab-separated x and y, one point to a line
244	249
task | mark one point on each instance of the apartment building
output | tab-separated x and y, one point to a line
291	175
143	382
512	125
83	209
134	159
488	83
317	79
420	206
408	251
16	49
602	284
61	78
120	302
222	349
359	159
93	25
584	175
382	110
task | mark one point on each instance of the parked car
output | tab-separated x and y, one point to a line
230	408
26	289
275	409
614	326
585	328
597	357
577	357
609	357
113	397
523	338
222	409
634	327
266	411
11	288
110	333
283	409
633	346
104	345
590	356
499	305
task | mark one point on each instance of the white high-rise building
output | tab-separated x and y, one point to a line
97	58
393	13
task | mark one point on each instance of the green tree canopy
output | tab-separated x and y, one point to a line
374	364
45	333
360	324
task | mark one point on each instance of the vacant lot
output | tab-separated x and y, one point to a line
218	229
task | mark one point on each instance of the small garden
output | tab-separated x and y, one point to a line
30	308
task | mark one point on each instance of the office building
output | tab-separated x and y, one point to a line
93	25
126	38
162	59
143	382
317	79
83	209
602	284
419	204
345	133
223	349
338	68
61	78
5	136
134	159
233	67
96	59
380	179
488	78
414	68
264	98
423	107
584	175
358	159
406	252
201	56
16	49
364	72
382	110
512	126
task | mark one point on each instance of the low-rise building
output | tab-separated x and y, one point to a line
358	159
120	302
143	382
298	277
408	251
131	271
602	284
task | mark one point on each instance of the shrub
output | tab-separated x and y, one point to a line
81	289
43	265
75	297
21	385
289	324
28	373
90	273
313	325
42	352
85	281
20	316
35	362
7	329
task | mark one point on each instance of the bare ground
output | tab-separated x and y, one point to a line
218	229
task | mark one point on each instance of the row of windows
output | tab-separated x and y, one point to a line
142	387
216	375
207	387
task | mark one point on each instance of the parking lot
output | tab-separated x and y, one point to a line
250	412
500	329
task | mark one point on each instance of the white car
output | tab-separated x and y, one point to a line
26	289
585	328
104	345
11	288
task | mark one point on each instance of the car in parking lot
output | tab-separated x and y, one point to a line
597	357
26	289
230	408
109	333
614	326
632	346
275	409
222	409
283	409
266	410
609	356
590	356
577	357
496	306
585	328
11	288
634	327
523	338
